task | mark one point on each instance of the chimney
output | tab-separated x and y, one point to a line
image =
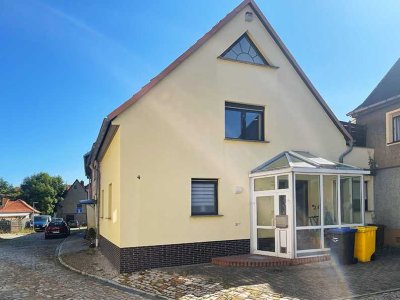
82	183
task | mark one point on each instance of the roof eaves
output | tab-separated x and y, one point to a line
362	109
100	138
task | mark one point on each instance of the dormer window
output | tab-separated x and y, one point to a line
244	50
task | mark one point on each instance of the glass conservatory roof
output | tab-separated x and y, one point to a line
304	161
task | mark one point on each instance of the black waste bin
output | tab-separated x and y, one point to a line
380	236
341	242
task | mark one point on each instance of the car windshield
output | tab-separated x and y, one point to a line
40	219
58	223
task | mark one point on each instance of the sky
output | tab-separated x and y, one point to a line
65	65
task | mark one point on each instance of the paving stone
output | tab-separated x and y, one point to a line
324	280
29	270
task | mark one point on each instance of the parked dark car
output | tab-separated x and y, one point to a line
74	224
56	228
40	222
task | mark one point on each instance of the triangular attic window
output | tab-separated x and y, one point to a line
244	50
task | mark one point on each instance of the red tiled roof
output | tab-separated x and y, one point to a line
17	206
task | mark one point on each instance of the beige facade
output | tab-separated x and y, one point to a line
109	200
176	132
70	208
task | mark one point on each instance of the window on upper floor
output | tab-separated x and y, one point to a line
79	208
393	127
204	197
244	50
396	129
244	122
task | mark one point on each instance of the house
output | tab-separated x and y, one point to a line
15	214
229	150
70	208
379	114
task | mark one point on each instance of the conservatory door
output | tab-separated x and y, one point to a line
271	224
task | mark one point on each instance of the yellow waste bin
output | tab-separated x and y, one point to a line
364	246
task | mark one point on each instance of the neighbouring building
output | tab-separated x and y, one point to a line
70	208
379	115
229	150
15	215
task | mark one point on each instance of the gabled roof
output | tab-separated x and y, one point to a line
145	89
69	186
387	90
17	206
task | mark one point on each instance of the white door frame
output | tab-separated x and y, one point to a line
279	232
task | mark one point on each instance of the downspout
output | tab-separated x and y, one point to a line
95	168
347	151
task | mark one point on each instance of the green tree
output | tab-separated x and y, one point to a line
8	191
44	190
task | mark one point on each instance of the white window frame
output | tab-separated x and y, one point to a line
389	127
322	227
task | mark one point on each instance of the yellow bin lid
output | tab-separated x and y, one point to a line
366	228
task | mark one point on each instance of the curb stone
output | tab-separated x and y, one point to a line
117	285
361	296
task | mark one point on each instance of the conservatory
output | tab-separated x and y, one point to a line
296	197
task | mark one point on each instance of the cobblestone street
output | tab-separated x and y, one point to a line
313	281
30	270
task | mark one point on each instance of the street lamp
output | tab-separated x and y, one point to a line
33	215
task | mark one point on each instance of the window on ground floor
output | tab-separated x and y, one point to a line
204	196
350	192
110	196
102	204
308	200
324	202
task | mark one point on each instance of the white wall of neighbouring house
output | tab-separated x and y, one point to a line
176	132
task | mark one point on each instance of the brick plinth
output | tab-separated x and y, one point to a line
147	257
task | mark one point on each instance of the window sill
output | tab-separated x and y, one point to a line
393	143
195	216
243	140
248	63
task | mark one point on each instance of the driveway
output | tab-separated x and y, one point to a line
29	269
